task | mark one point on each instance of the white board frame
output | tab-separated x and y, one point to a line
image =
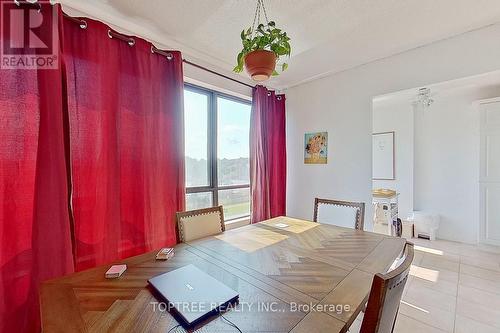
383	160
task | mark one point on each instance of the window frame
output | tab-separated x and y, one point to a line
212	164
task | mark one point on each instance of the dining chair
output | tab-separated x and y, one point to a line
385	296
340	213
200	223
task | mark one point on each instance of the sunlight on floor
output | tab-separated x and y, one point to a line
414	307
454	288
428	250
424	273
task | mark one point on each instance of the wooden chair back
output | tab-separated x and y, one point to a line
199	223
358	218
385	296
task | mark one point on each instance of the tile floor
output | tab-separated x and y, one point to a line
453	288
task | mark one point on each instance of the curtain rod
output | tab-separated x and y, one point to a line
169	56
215	73
131	41
82	23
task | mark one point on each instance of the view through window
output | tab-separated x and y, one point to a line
217	131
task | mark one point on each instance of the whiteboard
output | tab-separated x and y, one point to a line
383	156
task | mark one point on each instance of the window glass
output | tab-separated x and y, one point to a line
236	202
196	138
198	200
222	123
233	129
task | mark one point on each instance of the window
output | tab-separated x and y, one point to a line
217	130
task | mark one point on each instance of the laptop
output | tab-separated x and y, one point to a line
192	294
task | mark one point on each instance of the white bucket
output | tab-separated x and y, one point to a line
426	224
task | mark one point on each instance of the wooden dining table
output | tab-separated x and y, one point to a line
291	275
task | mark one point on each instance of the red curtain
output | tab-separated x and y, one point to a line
125	107
105	126
35	241
267	155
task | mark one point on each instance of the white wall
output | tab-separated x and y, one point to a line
447	161
396	114
437	153
341	104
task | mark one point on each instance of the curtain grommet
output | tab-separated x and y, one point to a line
167	55
129	40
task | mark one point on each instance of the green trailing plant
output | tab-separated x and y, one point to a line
266	37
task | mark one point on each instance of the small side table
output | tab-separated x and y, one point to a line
389	199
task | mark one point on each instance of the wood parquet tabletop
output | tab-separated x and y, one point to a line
292	276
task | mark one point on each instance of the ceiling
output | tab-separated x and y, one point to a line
328	36
440	89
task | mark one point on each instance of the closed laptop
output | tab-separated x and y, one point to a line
192	293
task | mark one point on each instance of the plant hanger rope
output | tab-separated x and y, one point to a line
256	18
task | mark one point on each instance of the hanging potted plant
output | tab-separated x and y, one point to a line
262	48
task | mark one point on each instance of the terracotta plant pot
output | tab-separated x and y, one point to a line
260	64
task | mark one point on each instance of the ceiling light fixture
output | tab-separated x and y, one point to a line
423	98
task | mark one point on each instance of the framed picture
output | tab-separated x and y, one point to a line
383	156
316	148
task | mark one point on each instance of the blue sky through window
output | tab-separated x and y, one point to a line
233	127
233	119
